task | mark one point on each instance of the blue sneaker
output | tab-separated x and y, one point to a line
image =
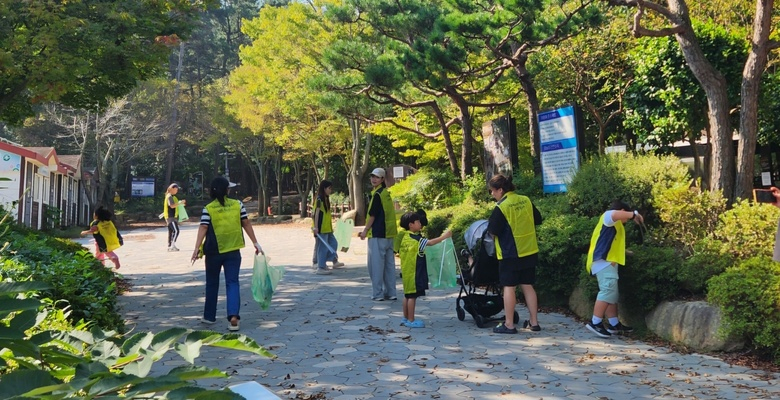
415	324
404	321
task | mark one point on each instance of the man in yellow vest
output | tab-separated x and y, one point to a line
381	230
607	251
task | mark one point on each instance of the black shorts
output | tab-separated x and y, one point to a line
419	293
518	271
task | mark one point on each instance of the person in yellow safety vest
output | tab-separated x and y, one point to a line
512	224
107	237
220	240
380	230
322	227
414	268
171	214
607	251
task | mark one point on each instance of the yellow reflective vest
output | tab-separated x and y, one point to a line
326	226
166	209
519	240
389	210
226	223
607	243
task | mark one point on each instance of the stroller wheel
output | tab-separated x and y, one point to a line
516	318
479	320
461	313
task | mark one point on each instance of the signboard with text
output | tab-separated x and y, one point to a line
142	187
558	139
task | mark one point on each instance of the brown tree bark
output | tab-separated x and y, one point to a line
749	92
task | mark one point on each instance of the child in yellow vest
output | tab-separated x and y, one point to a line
607	251
107	237
414	269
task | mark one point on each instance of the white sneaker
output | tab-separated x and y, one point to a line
174	248
338	264
232	327
322	271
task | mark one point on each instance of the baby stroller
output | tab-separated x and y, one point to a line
480	294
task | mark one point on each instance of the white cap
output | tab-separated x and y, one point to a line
378	172
232	184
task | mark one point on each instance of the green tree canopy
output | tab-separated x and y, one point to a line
83	53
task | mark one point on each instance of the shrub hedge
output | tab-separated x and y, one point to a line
73	275
749	297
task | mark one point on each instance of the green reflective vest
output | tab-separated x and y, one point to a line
226	222
521	235
409	253
387	205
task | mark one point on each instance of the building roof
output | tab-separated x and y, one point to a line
42	155
71	162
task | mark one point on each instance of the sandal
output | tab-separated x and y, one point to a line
533	328
415	324
501	328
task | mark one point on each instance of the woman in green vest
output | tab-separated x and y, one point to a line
322	227
380	230
221	239
512	225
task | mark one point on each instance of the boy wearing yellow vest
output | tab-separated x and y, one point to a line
607	251
414	269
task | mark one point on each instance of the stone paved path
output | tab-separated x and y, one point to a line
333	342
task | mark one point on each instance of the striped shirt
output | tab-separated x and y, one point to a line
205	218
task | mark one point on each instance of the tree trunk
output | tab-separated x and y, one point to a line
714	85
445	132
751	84
171	144
526	82
467	126
280	207
358	170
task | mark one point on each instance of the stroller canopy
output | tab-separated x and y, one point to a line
478	231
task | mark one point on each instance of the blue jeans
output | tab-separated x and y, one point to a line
323	254
231	261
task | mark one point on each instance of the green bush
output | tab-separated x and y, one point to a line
595	185
141	205
630	178
475	189
649	277
687	215
563	245
749	299
458	219
748	230
72	273
428	190
528	184
39	361
706	261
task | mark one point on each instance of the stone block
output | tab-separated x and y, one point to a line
694	324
